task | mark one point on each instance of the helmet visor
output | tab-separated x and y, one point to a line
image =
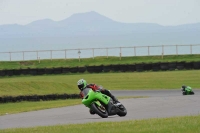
80	86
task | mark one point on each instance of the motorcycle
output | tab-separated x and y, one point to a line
187	91
102	104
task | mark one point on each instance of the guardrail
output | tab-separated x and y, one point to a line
93	52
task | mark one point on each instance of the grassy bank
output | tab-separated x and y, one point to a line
95	61
12	108
49	84
187	124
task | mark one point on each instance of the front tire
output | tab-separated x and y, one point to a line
122	111
184	93
100	110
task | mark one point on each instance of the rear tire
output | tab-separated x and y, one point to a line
101	111
121	111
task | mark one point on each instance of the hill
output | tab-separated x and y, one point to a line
93	29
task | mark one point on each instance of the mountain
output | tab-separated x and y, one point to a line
92	27
90	23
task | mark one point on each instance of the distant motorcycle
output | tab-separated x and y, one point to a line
102	104
187	90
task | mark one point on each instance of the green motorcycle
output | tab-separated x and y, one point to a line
102	104
187	90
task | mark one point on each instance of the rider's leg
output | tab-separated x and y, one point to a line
107	92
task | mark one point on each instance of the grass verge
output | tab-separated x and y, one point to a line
11	108
186	124
96	61
59	84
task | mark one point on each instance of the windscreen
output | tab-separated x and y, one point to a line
85	91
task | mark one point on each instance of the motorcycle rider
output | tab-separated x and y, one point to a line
185	88
82	84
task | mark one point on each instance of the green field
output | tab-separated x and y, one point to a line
186	124
95	61
12	108
58	84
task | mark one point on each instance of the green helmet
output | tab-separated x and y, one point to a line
82	84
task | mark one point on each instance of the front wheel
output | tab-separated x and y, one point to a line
121	110
184	93
100	110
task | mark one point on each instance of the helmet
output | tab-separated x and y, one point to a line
183	86
81	84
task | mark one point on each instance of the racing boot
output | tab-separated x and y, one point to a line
115	100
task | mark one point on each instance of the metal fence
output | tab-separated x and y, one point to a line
94	52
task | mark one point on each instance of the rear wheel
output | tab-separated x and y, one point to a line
100	110
121	110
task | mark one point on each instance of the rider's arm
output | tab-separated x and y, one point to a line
81	94
94	87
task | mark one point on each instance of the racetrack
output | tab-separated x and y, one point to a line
160	103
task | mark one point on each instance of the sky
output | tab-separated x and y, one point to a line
163	12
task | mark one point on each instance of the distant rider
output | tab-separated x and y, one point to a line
82	84
185	88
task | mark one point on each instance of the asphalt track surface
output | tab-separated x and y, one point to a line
158	104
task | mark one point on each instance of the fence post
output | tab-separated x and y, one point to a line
23	55
176	49
120	54
135	50
107	52
93	53
191	49
51	54
79	52
37	54
65	54
148	50
10	55
162	51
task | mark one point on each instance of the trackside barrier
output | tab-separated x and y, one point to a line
158	66
48	97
